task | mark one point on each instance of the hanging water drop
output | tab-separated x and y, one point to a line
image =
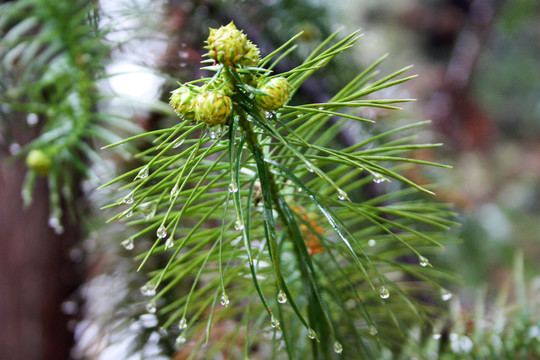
378	178
384	293
128	213
321	108
239	225
281	297
372	242
128	199
145	208
148	290
342	195
299	189
128	244
174	191
169	243
54	223
162	332
180	340
233	188
338	348
224	300
309	167
151	307
273	321
182	324
161	232
32	119
423	261
311	334
446	295
177	143
143	173
148	320
373	330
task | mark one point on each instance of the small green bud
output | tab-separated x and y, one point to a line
183	101
277	92
222	85
213	108
251	58
227	45
39	161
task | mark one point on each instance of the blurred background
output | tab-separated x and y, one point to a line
478	66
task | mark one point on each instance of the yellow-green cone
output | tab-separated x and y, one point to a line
213	108
183	101
39	161
227	45
251	58
277	90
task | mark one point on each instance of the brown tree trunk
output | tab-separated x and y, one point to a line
36	275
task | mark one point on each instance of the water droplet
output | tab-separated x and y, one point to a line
169	243
372	242
436	336
224	300
143	173
14	148
423	261
281	297
182	324
215	131
178	143
128	213
239	225
378	178
54	223
338	348
145	208
533	332
273	321
233	188
299	189
32	119
180	340
151	307
321	108
445	295
311	334
148	290
373	330
174	191
128	244
342	195
466	345
384	293
69	307
161	232
128	199
309	167
162	332
59	230
148	320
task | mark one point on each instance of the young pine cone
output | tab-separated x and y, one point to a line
277	92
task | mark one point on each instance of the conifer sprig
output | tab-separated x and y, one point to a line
250	196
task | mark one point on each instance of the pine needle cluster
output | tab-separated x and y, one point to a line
260	218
